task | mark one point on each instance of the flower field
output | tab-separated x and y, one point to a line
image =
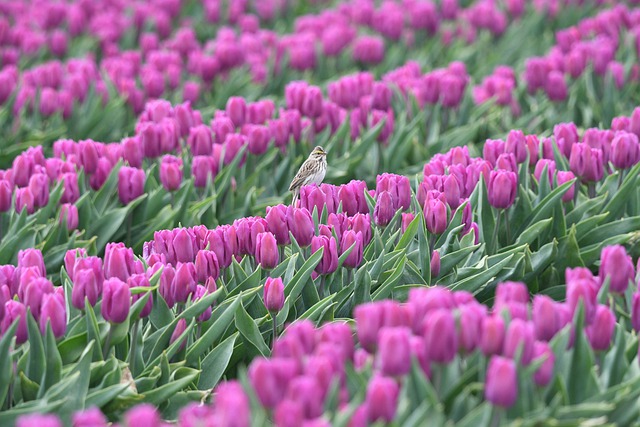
471	256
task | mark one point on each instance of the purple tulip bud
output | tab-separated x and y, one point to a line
116	300
351	238
200	140
618	266
143	414
329	262
551	169
277	223
586	162
223	241
202	168
287	413
39	186
171	172
130	184
312	196
39	420
165	285
85	285
16	310
369	319
69	216
435	264
556	86
184	283
502	189
625	150
384	211
119	261
270	379
601	330
585	291
236	110
382	399
273	294
471	316
232	405
493	332
362	223
563	177
202	291
394	352
300	223
517	145
267	254
140	281
520	335
32	293
501	387
25	200
635	312
181	326
207	266
407	218
439	331
305	391
545	317
32	258
71	191
542	350
91	417
53	311
436	216
6	193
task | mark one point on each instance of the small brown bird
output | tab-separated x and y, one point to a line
312	171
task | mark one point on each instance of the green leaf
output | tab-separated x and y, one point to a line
53	372
248	328
37	362
159	395
216	362
387	287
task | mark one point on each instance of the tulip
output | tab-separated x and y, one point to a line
71	191
511	291
200	140
501	386
116	300
143	414
382	399
635	312
520	335
130	184
407	218
119	261
361	223
224	243
384	211
288	414
563	177
32	294
266	253
270	379
601	330
69	216
394	351
236	109
544	373
439	331
25	200
232	404
351	238
545	317
184	283
39	186
6	192
452	191
273	294
140	281
91	417
329	262
207	266
435	264
202	168
617	266
471	316
181	326
551	169
39	420
582	290
183	245
493	331
202	291
165	284
85	286
436	216
171	172
502	189
300	223
369	319
517	145
32	258
277	223
625	150
16	310
132	151
586	162
305	391
53	311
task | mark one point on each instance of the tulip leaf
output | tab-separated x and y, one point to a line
6	361
107	226
545	208
247	327
53	371
37	363
196	308
388	286
214	365
161	394
619	201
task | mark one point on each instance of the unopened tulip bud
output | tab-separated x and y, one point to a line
53	311
502	189
300	223
394	351
493	331
266	253
143	414
617	266
181	326
520	335
273	294
207	266
236	110
171	172
545	317
501	387
435	264
184	283
382	399
383	212
625	150
69	216
407	218
635	312
351	238
563	177
439	331
91	417
85	286
542	350
130	183
116	300
601	330
436	216
329	262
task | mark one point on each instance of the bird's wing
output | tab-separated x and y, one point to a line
302	176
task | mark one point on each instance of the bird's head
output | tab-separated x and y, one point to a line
318	152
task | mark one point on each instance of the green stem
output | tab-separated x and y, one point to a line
107	342
274	325
132	350
506	221
322	283
495	234
591	190
129	225
620	178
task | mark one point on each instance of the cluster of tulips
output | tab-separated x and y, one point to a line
436	331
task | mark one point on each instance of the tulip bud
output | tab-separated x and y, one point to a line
545	318
200	140
618	266
382	399
116	300
207	266
85	286
32	258
181	326
300	223
39	420
202	291
25	200
407	218
601	330
266	253
91	417
551	169
273	294
287	414
236	110
394	352
329	262
471	316
519	335
625	150
140	281
143	414
517	145
16	310
493	332
351	238
384	211
563	177
53	311
586	162
184	283
165	285
544	373
439	331
130	184
635	312
501	386
502	189
118	261
270	379
171	172
277	223
435	264
69	216
436	216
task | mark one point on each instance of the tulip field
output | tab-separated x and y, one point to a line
471	256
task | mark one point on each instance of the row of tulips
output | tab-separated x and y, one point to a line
440	353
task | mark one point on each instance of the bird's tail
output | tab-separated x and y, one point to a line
296	195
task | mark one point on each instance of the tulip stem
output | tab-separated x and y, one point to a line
495	234
107	342
132	349
620	178
506	221
591	190
495	416
129	224
274	325
322	283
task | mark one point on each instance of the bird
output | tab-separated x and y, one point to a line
311	172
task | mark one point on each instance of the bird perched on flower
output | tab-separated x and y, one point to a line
311	172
